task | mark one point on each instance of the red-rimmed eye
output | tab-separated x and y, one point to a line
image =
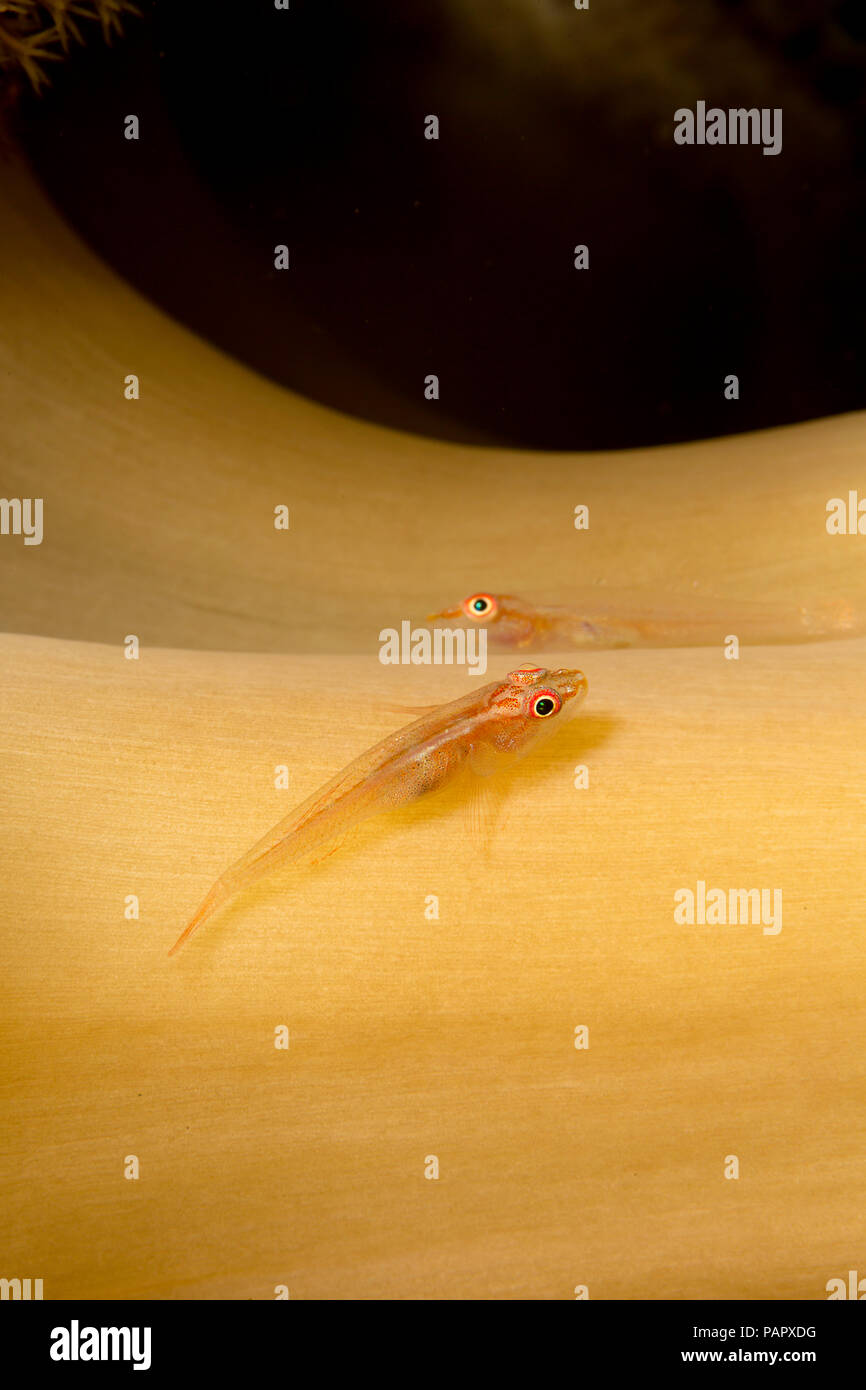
480	607
544	703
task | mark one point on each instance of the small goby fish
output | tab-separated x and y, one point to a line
609	620
476	734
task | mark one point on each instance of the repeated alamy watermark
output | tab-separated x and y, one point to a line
439	646
846	517
853	1288
735	126
20	1289
22	516
720	907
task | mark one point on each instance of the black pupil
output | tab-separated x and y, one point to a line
544	705
479	605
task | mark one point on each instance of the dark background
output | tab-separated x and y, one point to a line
456	257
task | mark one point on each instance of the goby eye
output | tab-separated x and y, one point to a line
479	606
544	703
